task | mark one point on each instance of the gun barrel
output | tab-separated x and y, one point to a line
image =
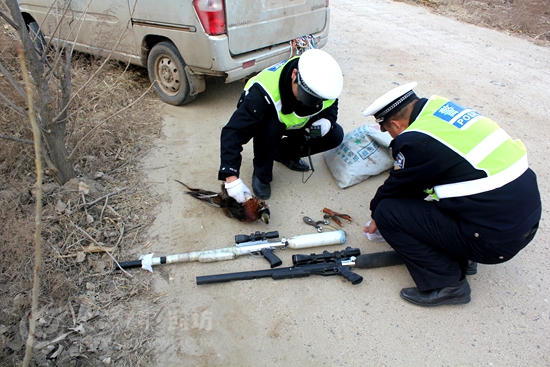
298	271
378	260
129	264
281	273
244	275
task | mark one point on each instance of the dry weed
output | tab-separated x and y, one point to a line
84	316
525	18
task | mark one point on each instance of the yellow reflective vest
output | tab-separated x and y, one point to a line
268	79
478	139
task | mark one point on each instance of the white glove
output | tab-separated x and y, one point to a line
238	190
375	237
324	124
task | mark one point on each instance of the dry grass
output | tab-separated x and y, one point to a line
524	18
83	302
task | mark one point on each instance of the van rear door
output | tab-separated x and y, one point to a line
272	22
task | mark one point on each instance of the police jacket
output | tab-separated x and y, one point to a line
270	79
255	108
422	162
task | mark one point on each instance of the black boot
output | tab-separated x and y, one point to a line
471	268
261	190
295	164
456	294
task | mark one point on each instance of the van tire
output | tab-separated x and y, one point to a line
167	71
37	38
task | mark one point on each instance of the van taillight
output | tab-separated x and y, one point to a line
212	15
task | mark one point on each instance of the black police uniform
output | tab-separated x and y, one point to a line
436	238
256	118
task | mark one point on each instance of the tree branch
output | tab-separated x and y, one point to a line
38	218
23	141
96	97
107	58
103	248
542	34
9	20
87	205
13	106
12	81
107	118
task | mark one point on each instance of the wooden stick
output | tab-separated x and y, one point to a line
100	245
101	198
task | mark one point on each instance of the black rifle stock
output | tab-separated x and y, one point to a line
326	264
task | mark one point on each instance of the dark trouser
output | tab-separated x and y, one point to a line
273	138
432	245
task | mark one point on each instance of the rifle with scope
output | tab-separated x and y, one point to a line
326	264
254	244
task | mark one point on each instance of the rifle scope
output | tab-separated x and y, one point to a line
325	256
256	236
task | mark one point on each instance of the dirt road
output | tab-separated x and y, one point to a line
327	321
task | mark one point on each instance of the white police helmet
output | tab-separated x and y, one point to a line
319	77
391	102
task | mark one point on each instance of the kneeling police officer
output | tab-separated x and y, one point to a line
289	111
460	193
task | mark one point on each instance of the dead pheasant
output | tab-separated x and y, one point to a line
249	211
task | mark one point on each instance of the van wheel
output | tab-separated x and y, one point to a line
167	71
37	38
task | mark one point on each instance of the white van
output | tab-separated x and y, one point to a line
182	41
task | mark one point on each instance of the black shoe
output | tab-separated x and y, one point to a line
456	294
261	190
296	165
471	268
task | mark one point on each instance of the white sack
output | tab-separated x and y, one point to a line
363	153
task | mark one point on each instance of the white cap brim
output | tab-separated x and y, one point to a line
388	98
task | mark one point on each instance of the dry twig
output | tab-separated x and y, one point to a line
109	117
38	220
87	205
100	245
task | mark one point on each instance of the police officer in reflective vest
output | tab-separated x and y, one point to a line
460	193
290	111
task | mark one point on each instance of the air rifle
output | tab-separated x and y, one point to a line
327	263
255	244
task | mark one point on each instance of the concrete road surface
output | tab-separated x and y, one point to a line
326	321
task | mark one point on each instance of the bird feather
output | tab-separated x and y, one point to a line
249	211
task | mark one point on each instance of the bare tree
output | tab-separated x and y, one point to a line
52	82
